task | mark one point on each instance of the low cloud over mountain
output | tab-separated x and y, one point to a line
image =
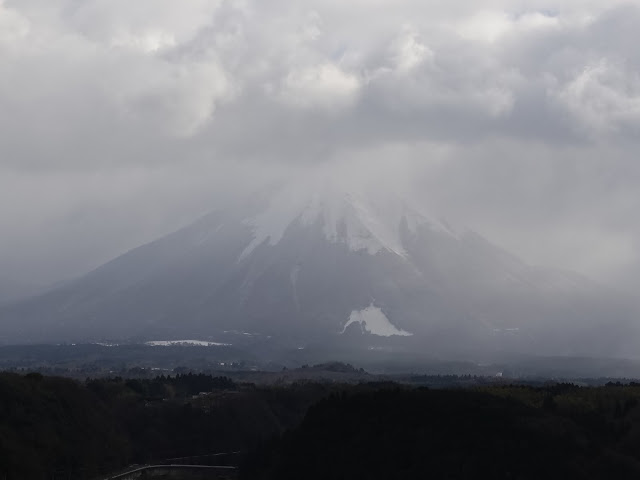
325	262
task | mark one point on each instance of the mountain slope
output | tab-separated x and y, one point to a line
325	265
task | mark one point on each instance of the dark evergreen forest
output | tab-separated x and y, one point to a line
53	427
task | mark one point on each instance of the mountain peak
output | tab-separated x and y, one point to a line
358	216
318	258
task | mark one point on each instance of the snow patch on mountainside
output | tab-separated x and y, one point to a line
374	321
360	219
185	343
356	221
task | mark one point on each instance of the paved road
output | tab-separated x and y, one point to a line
136	472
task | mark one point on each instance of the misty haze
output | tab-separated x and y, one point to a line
238	239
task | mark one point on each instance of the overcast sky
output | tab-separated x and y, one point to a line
122	120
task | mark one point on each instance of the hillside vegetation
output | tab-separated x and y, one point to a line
54	427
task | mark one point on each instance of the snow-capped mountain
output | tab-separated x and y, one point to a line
359	219
325	262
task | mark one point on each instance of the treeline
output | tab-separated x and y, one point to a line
163	387
56	428
506	432
52	427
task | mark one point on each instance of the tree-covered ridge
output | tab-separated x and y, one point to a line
53	427
559	431
50	424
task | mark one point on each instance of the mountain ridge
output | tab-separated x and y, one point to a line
313	270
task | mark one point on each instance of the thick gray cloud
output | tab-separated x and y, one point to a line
120	120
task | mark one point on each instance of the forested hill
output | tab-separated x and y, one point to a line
511	432
53	427
56	428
